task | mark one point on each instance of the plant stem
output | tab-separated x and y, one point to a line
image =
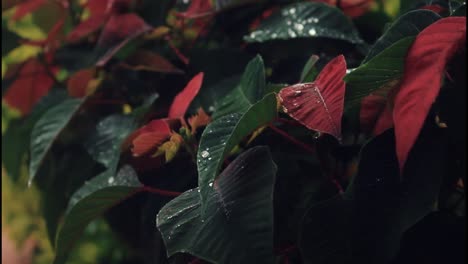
293	140
161	191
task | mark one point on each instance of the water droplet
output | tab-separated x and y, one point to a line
288	22
110	180
297	92
211	108
284	12
316	20
291	33
317	135
299	27
209	158
205	154
210	184
312	32
285	109
274	35
292	11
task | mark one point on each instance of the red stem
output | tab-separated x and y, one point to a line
179	54
161	191
293	140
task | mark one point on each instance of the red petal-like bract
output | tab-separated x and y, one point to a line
118	31
86	27
182	101
27	7
318	105
424	68
33	82
149	137
77	84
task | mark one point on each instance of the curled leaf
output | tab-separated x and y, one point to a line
149	61
318	105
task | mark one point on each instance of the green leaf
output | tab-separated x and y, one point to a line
47	130
309	72
238	224
306	20
250	89
104	143
90	201
223	134
409	24
380	71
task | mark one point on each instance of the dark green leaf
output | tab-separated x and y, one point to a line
47	130
250	89
90	201
238	224
408	25
309	72
223	134
381	71
104	143
306	20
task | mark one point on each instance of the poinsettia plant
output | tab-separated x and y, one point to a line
275	131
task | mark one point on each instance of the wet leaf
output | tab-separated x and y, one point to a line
318	105
239	211
223	134
306	20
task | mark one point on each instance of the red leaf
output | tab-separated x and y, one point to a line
149	61
118	31
424	69
77	84
86	28
318	105
30	85
434	8
183	99
198	8
26	8
375	115
352	8
149	137
147	142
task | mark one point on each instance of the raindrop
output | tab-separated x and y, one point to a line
297	92
210	184
312	32
274	35
288	22
316	20
299	27
292	11
111	180
317	135
205	154
211	108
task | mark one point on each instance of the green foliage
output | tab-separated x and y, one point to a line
239	174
